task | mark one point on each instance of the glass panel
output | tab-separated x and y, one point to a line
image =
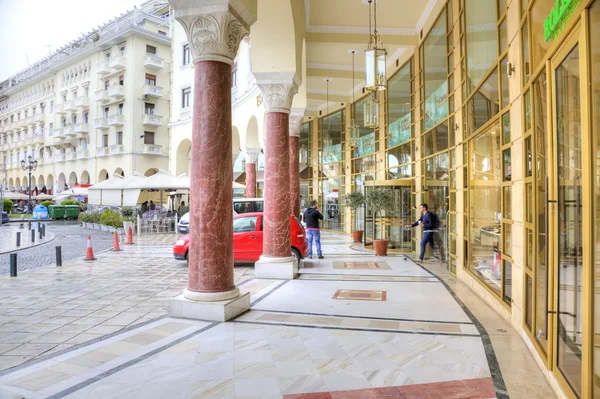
485	207
453	266
502	31
435	140
507	203
399	107
399	161
570	225
528	301
529	248
367	142
528	157
505	97
482	40
525	47
436	73
539	46
529	203
507	245
595	75
484	104
527	107
506	128
506	165
507	270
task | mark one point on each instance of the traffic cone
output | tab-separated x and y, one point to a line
89	254
116	243
129	237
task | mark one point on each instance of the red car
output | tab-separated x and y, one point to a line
248	239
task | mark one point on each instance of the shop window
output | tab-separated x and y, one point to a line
399	107
435	72
435	140
484	104
525	52
482	40
507	269
148	137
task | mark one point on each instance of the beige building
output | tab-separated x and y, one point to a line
95	107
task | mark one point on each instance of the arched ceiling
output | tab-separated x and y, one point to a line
335	27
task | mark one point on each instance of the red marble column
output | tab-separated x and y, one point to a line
211	221
250	180
294	176
276	235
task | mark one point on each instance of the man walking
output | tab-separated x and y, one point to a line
430	222
311	217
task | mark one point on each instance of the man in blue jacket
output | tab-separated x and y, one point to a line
430	222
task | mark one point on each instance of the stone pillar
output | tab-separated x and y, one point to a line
276	261
251	155
214	33
295	127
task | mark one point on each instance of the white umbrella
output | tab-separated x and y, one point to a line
15	196
161	181
43	197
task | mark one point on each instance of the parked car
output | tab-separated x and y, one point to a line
4	217
248	239
240	205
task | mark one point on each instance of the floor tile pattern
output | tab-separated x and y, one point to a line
360	295
361	265
366	278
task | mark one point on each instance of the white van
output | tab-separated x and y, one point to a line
240	205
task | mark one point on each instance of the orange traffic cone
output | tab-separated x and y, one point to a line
116	243
129	237
89	254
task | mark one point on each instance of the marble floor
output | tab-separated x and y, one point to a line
348	327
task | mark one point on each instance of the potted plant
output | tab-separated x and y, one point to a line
128	215
380	200
354	201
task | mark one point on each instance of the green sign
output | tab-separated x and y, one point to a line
559	15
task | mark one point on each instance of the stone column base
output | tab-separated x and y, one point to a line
276	268
224	310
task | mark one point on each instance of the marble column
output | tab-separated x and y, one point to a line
276	261
295	126
214	33
251	155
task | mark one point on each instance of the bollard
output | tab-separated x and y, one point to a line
58	256
32	236
29	223
18	238
13	265
44	230
40	234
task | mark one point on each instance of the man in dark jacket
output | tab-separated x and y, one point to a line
311	217
430	222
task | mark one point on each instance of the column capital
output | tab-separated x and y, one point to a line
251	155
296	117
278	90
214	30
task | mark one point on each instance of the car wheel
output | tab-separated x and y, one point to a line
296	254
187	259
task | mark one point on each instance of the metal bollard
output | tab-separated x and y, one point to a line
40	234
18	238
32	236
29	223
13	265
58	256
44	230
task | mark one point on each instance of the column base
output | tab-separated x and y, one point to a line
276	268
223	310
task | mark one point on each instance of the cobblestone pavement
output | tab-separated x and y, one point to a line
69	235
51	309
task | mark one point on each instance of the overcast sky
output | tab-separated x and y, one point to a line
29	25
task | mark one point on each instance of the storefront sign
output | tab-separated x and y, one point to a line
436	106
559	15
366	145
399	131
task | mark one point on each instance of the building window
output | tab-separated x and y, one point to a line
105	140
121	80
150	80
186	54
149	108
185	97
64	98
106	84
50	128
51	106
107	55
86	92
122	50
150	49
234	75
148	137
106	109
160	32
120	109
85	117
120	138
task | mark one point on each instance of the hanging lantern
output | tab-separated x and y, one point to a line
353	130
371	110
375	58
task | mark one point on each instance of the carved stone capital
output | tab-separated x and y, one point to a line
213	37
278	90
251	155
296	117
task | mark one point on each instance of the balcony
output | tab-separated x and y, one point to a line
116	149
14	145
102	151
152	120
117	62
100	123
154	62
102	96
69	156
152	149
82	102
115	120
116	91
20	123
185	113
29	121
153	91
39	118
69	106
81	129
58	109
38	138
83	154
29	140
57	132
68	131
102	68
59	157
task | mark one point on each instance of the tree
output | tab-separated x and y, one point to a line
381	200
354	201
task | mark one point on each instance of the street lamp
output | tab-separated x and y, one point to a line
29	167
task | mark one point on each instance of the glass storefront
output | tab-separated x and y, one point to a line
332	146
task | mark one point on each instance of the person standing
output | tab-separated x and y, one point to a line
311	217
430	222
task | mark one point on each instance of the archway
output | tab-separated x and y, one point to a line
251	139
41	181
85	177
11	183
18	184
50	182
103	175
119	172
25	183
183	157
33	182
72	179
61	183
150	172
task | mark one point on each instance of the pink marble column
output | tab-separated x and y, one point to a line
250	180
294	128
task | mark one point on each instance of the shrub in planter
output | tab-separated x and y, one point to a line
110	218
47	203
7	206
354	201
380	200
128	213
69	202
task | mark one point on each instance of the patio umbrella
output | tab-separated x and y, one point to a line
15	196
43	197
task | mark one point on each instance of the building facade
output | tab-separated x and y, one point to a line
98	106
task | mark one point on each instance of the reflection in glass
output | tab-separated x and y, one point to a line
570	225
507	281
482	40
399	115
399	162
436	74
331	171
366	136
484	104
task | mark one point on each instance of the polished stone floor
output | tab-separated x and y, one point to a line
351	326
